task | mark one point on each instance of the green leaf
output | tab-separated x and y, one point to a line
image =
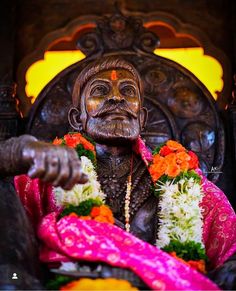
58	281
189	250
81	151
83	209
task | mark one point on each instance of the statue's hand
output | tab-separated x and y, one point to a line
55	164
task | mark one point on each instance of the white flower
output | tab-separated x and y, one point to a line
81	192
179	214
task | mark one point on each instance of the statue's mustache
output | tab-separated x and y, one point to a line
121	107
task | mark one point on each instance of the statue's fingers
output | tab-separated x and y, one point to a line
64	170
53	168
37	170
77	176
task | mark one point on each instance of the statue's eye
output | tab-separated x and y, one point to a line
128	90
100	90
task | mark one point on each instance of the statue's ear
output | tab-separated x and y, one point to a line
143	117
74	119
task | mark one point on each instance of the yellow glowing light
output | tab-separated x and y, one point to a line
207	69
43	71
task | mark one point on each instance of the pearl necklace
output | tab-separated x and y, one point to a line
127	197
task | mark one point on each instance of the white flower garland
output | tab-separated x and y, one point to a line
81	192
180	216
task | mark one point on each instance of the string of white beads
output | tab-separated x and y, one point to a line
127	204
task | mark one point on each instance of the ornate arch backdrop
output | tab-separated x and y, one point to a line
72	34
179	105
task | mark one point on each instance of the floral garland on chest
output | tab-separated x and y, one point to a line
175	183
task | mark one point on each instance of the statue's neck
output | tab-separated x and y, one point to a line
115	151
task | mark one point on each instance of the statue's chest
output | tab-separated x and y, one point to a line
113	175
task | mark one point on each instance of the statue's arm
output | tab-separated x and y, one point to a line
55	164
11	151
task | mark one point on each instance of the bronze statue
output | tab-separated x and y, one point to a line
107	106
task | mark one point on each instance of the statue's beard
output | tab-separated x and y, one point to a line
113	123
113	131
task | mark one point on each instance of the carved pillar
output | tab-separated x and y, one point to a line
8	113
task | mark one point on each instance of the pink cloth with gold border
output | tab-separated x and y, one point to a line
72	239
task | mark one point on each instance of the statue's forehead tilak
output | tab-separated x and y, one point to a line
113	75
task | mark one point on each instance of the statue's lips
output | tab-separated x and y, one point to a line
116	116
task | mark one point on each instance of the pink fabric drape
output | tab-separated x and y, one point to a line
71	238
76	239
219	232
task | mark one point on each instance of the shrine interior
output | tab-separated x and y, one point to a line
29	29
183	50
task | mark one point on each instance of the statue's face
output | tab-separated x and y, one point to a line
110	107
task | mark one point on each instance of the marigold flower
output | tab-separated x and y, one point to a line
165	150
71	140
105	211
86	217
111	219
159	161
73	214
158	167
77	135
193	162
102	214
101	218
173	254
87	145
198	265
170	159
172	170
184	166
156	175
182	159
57	141
175	146
95	211
182	156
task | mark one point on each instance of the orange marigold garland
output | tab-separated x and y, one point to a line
198	265
178	187
82	146
85	201
99	213
172	159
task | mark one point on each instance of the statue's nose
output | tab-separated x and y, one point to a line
116	95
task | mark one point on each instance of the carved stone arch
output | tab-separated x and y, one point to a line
179	105
83	23
207	43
